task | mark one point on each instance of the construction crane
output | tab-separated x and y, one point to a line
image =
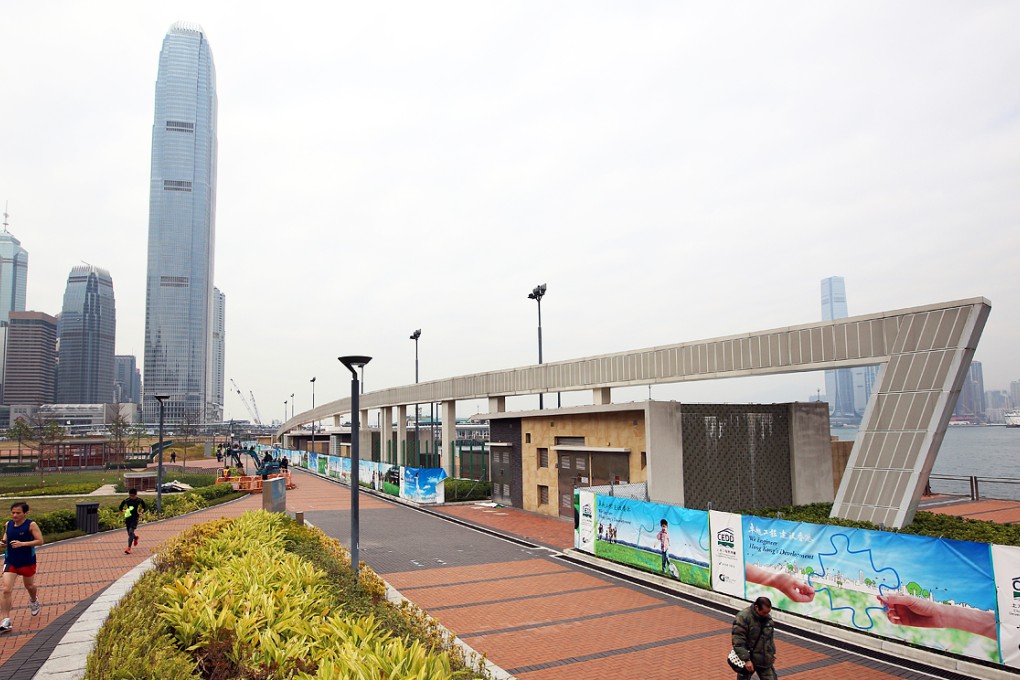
254	414
258	418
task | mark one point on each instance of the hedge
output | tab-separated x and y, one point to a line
466	489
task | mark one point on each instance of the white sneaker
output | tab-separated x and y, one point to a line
5	626
35	606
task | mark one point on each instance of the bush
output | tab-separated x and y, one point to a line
56	522
61	490
466	489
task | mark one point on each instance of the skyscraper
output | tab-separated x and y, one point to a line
219	327
13	273
847	389
127	381
31	359
88	329
179	299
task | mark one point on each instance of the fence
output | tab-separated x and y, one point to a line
970	485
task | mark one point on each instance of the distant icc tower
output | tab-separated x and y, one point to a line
179	297
88	335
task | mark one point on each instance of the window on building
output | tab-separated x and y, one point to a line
644	460
570	441
527	437
543	458
543	494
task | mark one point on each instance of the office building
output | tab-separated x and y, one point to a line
127	381
30	374
179	303
13	273
970	405
87	334
847	389
219	328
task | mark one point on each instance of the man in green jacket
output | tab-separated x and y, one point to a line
753	640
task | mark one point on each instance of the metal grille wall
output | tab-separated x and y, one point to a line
508	431
737	457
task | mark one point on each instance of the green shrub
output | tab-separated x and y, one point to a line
56	522
466	489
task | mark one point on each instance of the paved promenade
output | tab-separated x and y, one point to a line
532	612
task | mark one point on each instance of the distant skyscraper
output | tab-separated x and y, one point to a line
1014	394
13	273
219	328
31	359
970	404
847	389
88	330
127	382
179	299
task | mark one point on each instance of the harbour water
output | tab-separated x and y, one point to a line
981	451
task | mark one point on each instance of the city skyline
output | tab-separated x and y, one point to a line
673	173
180	299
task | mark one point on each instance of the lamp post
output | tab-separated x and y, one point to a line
313	408
353	363
159	468
417	436
284	411
291	405
536	295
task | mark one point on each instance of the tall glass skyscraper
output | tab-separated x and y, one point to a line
847	390
13	274
179	299
88	328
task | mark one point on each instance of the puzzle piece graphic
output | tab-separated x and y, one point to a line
851	570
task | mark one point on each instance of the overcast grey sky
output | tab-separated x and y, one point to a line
673	171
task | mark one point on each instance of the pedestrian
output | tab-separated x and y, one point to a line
21	537
132	507
753	640
173	456
663	538
284	464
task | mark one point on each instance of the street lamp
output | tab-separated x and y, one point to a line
536	295
417	436
291	405
313	408
159	469
353	363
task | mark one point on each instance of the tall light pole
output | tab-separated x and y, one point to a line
313	408
353	363
285	402
536	295
159	468
291	405
417	436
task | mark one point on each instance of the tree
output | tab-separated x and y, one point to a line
51	433
21	431
118	428
188	429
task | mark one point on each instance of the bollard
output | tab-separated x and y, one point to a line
299	517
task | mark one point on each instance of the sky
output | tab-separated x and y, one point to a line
672	171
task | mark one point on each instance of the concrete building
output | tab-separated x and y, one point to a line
179	298
30	373
734	456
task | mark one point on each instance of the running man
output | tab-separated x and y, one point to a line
132	507
20	539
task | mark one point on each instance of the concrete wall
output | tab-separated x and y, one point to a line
665	454
810	453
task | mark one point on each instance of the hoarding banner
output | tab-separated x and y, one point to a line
727	552
584	521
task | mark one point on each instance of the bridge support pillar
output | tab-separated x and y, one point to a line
601	395
364	437
449	435
497	404
401	434
385	432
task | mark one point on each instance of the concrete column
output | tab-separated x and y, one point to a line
401	433
364	438
497	404
385	432
449	434
338	420
601	395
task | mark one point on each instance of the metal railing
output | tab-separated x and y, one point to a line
974	482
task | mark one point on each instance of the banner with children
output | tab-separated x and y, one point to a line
664	539
932	592
423	485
